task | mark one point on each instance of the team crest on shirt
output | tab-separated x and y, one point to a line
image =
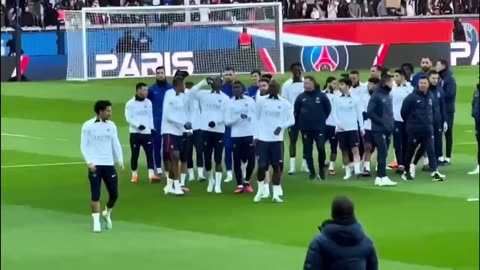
219	101
279	107
317	100
438	94
429	101
246	105
145	106
108	130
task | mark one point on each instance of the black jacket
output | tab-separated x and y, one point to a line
449	85
417	111
341	247
439	112
311	110
476	104
380	111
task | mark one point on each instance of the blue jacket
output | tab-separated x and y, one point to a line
449	85
380	111
476	104
417	111
439	112
227	90
252	91
341	247
311	110
416	78
156	94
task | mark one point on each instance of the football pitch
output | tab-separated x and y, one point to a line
46	222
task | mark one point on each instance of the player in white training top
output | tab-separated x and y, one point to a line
290	91
348	116
100	146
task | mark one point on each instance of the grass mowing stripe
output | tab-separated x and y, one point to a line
144	241
41	165
31	137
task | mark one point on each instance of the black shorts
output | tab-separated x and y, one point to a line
368	137
108	175
178	143
348	140
270	153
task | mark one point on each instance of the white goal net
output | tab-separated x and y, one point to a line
120	42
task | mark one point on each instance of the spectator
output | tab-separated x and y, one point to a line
332	9
343	237
355	9
382	9
343	9
27	18
2	14
410	8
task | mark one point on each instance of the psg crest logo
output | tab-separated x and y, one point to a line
325	58
470	32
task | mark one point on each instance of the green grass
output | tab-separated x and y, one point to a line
45	210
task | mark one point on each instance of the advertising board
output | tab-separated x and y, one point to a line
338	58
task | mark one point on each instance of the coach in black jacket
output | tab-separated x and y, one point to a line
380	111
311	110
449	85
418	112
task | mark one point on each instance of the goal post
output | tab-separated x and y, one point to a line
126	42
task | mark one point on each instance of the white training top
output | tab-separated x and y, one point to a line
291	90
241	127
367	124
399	93
273	113
175	113
348	113
213	106
194	111
331	96
359	91
139	113
99	143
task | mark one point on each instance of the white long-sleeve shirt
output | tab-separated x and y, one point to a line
331	96
273	113
348	113
367	124
213	105
175	113
139	113
99	143
241	127
195	112
399	93
359	91
291	90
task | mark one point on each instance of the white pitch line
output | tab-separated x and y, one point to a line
466	143
41	165
31	137
473	199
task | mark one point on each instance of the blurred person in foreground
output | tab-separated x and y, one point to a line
344	237
476	116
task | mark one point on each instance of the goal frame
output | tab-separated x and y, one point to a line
84	11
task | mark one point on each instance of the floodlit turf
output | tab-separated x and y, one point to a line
45	209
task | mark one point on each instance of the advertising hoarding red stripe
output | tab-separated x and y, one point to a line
393	32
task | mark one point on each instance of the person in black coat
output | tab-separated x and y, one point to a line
476	117
311	110
380	112
449	85
418	113
344	237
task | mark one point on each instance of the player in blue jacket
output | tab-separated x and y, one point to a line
255	76
156	93
227	88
